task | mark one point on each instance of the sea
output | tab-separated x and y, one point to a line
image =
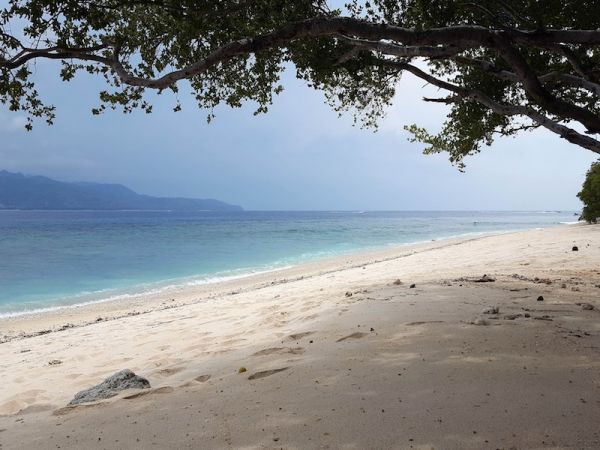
57	259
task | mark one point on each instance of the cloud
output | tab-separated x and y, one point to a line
12	123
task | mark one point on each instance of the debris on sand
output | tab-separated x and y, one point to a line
398	282
492	310
540	298
575	248
537	280
586	306
483	279
412	286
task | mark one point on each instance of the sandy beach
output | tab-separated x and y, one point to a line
393	349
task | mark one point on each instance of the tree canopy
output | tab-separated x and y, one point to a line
502	66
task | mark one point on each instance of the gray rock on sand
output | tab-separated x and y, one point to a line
587	306
124	379
492	310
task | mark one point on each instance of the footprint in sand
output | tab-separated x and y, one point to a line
169	371
298	336
423	323
270	351
356	335
198	380
68	409
266	373
160	390
311	317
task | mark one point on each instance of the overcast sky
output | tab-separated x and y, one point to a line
299	156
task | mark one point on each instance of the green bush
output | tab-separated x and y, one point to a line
590	194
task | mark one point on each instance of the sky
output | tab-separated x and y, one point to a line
300	156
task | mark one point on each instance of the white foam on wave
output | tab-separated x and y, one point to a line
139	291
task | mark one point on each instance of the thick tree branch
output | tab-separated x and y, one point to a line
404	51
541	95
437	42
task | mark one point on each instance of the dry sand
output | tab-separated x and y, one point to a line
337	355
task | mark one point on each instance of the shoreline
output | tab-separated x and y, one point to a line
176	285
59	318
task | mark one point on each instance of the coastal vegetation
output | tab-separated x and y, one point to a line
590	194
502	66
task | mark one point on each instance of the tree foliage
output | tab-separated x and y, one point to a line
590	194
502	66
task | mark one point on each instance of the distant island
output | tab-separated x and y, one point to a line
18	191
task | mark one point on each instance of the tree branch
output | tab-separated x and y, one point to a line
548	78
541	95
564	132
404	51
27	54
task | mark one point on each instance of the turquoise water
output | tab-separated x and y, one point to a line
52	258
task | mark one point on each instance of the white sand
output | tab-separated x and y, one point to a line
387	367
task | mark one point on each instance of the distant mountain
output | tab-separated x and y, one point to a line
18	191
